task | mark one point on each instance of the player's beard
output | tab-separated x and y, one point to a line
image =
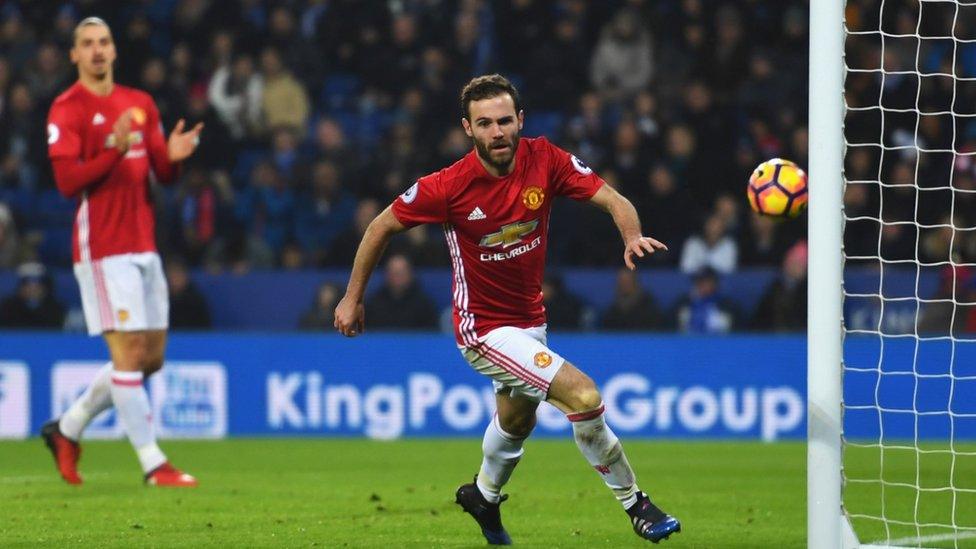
501	164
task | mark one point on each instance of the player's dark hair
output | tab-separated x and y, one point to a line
485	87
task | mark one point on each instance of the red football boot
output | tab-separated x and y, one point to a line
167	475
66	451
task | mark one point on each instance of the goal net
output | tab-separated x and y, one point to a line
909	275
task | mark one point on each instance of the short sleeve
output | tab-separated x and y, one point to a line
424	202
63	140
570	176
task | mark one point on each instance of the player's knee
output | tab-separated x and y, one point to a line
586	397
517	425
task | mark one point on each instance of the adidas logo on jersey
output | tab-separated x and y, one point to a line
476	214
98	119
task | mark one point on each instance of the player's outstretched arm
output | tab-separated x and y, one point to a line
349	313
628	223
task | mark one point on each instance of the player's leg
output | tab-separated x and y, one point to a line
62	434
156	351
502	447
577	396
130	354
502	443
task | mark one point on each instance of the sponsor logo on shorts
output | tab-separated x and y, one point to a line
123	315
542	359
533	197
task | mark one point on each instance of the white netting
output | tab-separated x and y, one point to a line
910	259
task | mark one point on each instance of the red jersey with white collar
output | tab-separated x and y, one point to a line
114	214
496	230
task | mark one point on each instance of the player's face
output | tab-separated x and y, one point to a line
494	126
94	51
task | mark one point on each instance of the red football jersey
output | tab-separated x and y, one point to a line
496	230
114	213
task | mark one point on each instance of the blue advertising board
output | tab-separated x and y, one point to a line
402	385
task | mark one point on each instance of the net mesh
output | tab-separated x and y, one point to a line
910	258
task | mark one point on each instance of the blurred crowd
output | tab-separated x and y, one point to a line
319	112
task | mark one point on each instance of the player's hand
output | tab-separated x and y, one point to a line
121	130
640	246
350	317
181	144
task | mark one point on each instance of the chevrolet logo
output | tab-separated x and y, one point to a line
509	234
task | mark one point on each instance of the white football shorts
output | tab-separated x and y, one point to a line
125	292
516	359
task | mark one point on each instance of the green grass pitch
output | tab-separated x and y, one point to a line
358	493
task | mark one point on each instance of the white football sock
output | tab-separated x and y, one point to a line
502	453
132	407
603	450
96	399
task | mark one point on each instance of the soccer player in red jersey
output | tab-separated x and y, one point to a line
103	140
494	206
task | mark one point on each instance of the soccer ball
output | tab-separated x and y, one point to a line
778	188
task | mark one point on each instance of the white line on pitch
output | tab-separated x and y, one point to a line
914	541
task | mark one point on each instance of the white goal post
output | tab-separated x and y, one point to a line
825	233
891	359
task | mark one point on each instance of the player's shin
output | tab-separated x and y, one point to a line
132	407
502	452
602	449
96	399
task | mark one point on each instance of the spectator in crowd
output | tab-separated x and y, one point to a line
763	245
663	197
374	76
704	310
284	101
400	303
10	247
343	249
633	308
324	212
564	310
622	63
21	139
784	305
169	100
33	304
329	143
48	73
267	207
204	202
422	246
712	248
320	315
188	308
235	93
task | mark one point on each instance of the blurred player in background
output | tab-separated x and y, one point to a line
494	205
103	140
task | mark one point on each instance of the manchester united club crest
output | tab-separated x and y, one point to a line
542	360
532	197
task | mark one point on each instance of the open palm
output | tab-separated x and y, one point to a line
181	144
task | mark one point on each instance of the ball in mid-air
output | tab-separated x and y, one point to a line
778	188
